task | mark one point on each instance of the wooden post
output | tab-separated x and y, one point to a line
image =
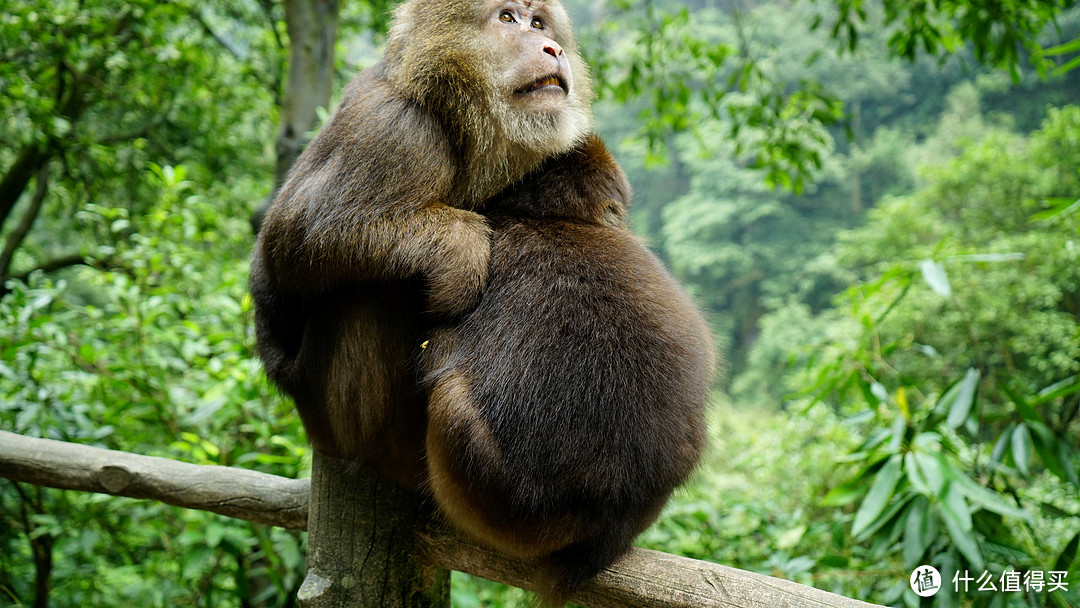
361	554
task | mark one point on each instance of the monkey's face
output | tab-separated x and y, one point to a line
538	85
531	68
507	65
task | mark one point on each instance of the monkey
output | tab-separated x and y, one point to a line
375	234
565	408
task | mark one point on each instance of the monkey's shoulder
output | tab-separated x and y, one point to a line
584	184
378	152
546	271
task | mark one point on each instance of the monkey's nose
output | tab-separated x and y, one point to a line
553	49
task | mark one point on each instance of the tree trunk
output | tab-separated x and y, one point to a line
361	537
313	29
43	562
19	233
30	159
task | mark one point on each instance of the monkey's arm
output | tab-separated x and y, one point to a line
366	201
448	247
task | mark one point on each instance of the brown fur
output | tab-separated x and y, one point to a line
569	404
374	225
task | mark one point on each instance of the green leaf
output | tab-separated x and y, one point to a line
932	472
1021	447
878	496
947	562
915	476
879	391
1052	453
61	126
927	441
916	531
886	535
1062	207
214	533
1063	48
988	499
955	504
959	398
1058	390
899	425
857	485
962	539
1027	413
890	523
1002	444
1069	66
196	559
1068	555
790	538
844	494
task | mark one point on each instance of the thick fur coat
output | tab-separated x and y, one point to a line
569	404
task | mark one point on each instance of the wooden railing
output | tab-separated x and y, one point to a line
372	544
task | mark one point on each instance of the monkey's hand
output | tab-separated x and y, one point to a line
458	273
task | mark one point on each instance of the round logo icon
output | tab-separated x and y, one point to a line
925	581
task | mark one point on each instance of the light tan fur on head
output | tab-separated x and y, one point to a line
442	55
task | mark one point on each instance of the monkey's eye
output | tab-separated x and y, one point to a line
506	17
537	23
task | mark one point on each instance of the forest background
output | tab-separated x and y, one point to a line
876	203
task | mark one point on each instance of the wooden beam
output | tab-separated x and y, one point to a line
643	579
241	493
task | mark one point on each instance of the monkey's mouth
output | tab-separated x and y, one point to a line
550	82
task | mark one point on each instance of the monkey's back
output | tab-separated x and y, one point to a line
570	403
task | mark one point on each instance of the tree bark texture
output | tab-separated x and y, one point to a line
641	579
16	237
31	158
361	543
313	29
241	493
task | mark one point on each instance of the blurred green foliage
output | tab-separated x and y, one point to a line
956	353
900	317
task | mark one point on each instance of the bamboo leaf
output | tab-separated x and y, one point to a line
1057	390
1051	452
962	539
844	494
1021	447
1062	206
1069	66
916	539
958	399
1068	554
878	497
1065	47
931	470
